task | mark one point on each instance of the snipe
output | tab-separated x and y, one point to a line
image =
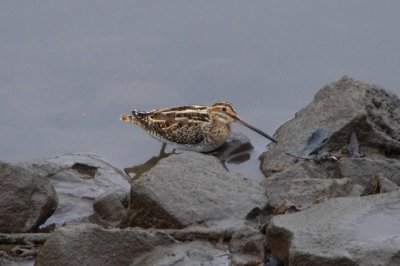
192	127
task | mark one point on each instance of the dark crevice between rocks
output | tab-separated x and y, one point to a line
261	216
279	242
144	212
15	248
85	170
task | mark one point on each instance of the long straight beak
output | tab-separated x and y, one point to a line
262	133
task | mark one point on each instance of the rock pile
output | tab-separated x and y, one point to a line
337	167
330	197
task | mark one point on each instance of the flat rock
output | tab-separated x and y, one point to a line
192	253
340	231
307	182
326	125
305	191
79	179
191	188
27	199
89	244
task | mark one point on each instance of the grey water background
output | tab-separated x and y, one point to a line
68	69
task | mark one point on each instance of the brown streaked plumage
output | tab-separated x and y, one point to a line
191	127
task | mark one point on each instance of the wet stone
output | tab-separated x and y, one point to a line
341	231
190	188
79	180
89	244
27	199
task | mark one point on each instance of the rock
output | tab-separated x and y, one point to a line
192	253
190	188
385	185
326	125
244	242
79	179
27	199
213	231
247	247
110	209
362	169
89	244
340	231
301	186
378	184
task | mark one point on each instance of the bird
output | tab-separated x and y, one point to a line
196	128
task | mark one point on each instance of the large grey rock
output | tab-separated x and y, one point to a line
327	123
190	188
89	244
79	179
26	199
341	231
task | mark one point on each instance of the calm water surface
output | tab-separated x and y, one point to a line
68	69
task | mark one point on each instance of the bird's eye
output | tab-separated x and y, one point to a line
223	109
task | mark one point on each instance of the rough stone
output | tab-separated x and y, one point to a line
213	231
26	199
89	244
303	192
110	209
362	169
340	231
243	240
217	243
192	253
247	247
190	188
326	125
300	186
79	179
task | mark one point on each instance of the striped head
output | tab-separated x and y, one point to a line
225	113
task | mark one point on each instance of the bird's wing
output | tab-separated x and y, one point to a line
181	128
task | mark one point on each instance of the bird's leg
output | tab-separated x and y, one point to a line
162	151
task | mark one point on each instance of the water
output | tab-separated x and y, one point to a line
68	69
